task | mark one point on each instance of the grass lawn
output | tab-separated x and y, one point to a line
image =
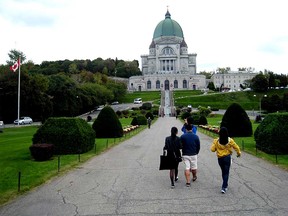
15	157
248	144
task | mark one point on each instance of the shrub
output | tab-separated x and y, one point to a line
41	152
119	113
139	120
107	124
258	119
68	135
202	120
155	112
271	135
146	106
236	120
185	115
149	114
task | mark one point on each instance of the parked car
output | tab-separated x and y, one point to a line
115	103
138	101
1	126
23	120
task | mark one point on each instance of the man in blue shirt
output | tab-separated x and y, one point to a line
190	149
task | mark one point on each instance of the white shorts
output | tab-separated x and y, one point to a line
190	162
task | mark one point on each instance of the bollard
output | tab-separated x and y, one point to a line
58	163
19	180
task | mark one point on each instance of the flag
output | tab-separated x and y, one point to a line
15	66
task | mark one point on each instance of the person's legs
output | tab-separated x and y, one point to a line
194	167
176	171
187	176
187	162
224	164
172	176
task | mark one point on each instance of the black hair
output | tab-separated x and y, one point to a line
190	120
188	127
174	131
223	136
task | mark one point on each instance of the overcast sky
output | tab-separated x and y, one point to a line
223	33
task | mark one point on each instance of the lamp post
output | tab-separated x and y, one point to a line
260	100
115	74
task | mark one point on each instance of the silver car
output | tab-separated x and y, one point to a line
23	120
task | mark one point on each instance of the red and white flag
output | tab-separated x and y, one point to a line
15	66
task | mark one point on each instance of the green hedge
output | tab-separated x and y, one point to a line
271	135
68	135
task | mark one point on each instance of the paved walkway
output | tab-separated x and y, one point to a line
126	181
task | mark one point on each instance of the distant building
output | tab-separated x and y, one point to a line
168	66
231	80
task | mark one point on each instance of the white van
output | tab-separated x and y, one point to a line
138	101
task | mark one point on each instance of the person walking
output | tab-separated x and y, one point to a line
223	147
172	147
149	120
190	149
189	120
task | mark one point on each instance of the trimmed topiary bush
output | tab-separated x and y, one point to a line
146	106
149	114
107	124
202	120
41	152
237	122
271	135
68	135
139	120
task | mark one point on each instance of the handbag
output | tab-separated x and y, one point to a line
164	163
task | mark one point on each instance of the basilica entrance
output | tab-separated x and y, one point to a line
166	85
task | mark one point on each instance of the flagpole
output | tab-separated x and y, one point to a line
19	65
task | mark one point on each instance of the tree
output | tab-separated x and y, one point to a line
14	55
223	70
259	83
208	75
211	86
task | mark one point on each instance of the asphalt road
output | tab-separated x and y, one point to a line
125	180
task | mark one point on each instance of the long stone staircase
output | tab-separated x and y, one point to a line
167	107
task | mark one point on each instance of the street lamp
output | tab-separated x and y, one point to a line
260	100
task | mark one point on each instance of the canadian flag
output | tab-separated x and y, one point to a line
15	66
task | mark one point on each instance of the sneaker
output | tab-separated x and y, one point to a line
172	186
176	179
187	184
194	178
223	191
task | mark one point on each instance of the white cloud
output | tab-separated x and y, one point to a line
223	33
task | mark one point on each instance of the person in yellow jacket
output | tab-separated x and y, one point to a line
223	147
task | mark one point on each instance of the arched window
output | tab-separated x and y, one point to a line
157	84
167	51
184	84
148	84
175	83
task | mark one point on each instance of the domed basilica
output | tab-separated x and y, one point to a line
168	66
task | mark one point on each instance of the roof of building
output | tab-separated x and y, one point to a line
168	27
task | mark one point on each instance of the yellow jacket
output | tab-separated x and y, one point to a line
224	150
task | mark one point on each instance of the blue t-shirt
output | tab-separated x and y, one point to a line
194	129
190	143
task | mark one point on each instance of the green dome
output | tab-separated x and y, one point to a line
168	27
